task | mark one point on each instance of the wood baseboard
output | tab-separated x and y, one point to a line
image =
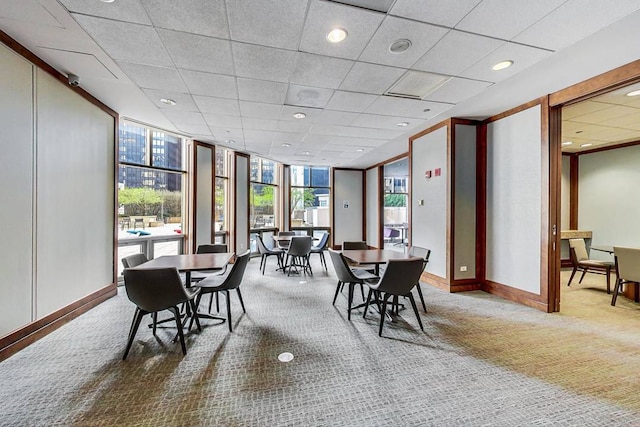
566	263
435	281
23	337
516	295
465	285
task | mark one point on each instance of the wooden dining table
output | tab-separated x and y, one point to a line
375	257
190	262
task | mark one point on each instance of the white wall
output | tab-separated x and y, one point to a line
242	203
565	194
514	165
609	197
465	202
429	222
16	191
59	230
347	221
204	195
372	206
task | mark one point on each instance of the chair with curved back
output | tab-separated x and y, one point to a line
320	248
298	255
285	244
628	267
398	279
266	252
357	246
423	253
197	276
349	277
153	290
134	260
225	283
580	260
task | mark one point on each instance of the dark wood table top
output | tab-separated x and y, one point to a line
374	256
288	238
190	262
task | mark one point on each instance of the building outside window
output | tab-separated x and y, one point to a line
396	176
263	193
310	192
221	208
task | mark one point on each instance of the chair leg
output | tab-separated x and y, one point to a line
155	322
337	292
195	315
584	271
421	297
415	310
366	304
240	298
137	317
362	290
176	312
608	280
211	300
263	259
323	261
616	289
575	268
383	312
228	310
350	298
217	302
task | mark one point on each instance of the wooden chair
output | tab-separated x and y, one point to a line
581	261
628	268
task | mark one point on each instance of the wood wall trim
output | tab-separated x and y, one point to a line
451	201
608	147
549	217
601	83
427	131
391	160
533	103
238	154
435	281
380	201
23	337
516	295
574	162
465	285
14	45
116	173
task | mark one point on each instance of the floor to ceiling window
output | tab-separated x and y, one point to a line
151	180
221	203
396	177
310	198
263	199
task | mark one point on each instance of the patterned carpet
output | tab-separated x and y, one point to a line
480	361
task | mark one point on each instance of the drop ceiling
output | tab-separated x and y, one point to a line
239	70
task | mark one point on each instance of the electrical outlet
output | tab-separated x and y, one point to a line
463	268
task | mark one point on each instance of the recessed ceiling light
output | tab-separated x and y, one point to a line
502	65
567	143
403	124
400	46
634	93
286	144
167	101
299	115
337	35
306	153
230	141
588	144
360	150
107	1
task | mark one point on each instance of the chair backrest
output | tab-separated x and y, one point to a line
154	289
300	245
391	232
262	248
343	272
421	252
400	276
234	278
628	261
579	248
323	241
287	233
218	248
354	245
134	260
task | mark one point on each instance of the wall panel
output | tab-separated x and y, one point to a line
373	206
465	202
204	195
242	203
348	205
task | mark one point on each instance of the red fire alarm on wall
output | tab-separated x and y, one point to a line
427	174
438	172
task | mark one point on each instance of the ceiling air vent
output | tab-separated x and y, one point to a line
377	5
416	85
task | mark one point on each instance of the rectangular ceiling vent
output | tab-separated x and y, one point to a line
375	5
416	85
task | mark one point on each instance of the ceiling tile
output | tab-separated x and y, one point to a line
85	65
377	5
456	52
422	36
276	23
349	141
297	126
184	117
127	11
261	91
505	19
253	137
305	96
262	63
200	53
293	138
252	123
604	115
208	84
217	106
204	17
223	134
377	136
184	102
457	90
193	129
324	16
260	110
325	130
371	78
350	101
523	57
573	21
391	106
227	122
311	113
630	121
115	38
150	77
331	117
440	12
581	108
320	71
319	139
385	122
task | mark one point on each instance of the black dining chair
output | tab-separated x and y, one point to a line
224	284
157	289
320	248
266	252
285	244
197	276
298	255
398	279
349	277
423	253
